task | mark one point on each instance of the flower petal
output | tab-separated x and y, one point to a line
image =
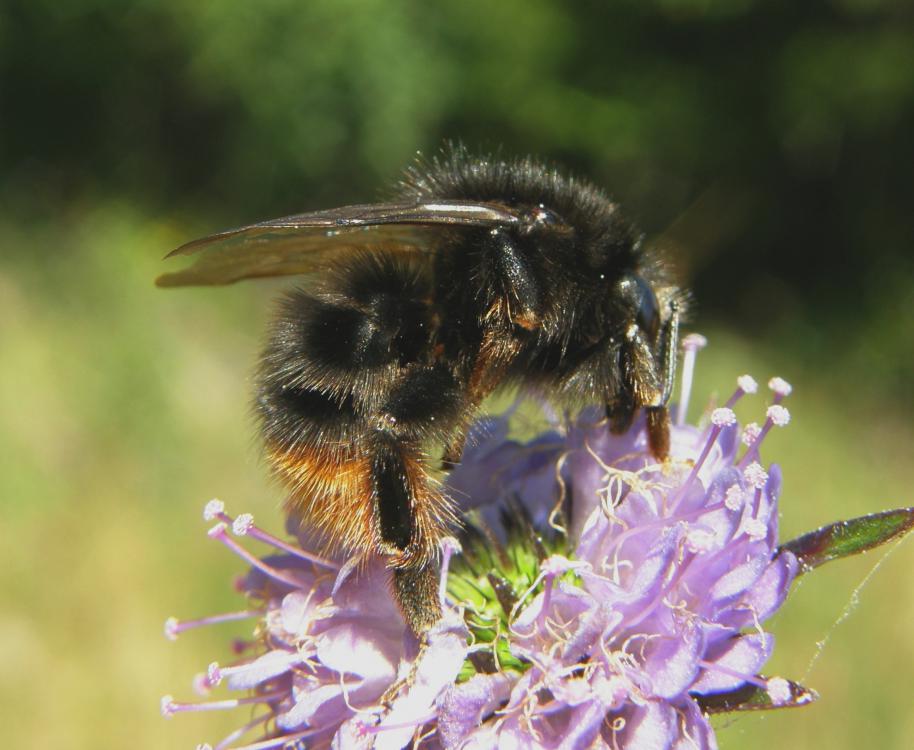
672	662
462	708
438	667
743	656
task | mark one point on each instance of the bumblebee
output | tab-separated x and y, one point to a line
480	273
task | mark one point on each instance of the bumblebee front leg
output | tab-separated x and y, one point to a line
658	416
647	381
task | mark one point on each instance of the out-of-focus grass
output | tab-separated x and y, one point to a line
123	408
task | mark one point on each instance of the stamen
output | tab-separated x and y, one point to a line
744	384
412	723
219	532
170	707
735	497
720	418
244	525
255	532
782	389
723	417
241	731
747	383
213	509
174	626
213	674
449	545
755	475
750	434
778	416
755	529
699	540
691	345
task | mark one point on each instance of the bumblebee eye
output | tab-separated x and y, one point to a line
641	300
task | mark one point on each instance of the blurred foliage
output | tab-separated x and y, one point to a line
766	145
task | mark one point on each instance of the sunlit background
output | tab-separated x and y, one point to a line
768	146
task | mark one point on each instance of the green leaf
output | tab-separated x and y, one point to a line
754	698
849	537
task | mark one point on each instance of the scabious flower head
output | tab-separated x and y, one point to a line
652	597
602	599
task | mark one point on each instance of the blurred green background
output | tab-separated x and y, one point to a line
767	145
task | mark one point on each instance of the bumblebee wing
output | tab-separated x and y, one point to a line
304	243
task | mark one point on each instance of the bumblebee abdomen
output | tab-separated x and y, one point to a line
351	388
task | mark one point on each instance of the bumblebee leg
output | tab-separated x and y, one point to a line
495	355
669	339
658	417
621	413
658	431
406	515
416	592
645	387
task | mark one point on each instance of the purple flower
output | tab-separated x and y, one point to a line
331	654
602	600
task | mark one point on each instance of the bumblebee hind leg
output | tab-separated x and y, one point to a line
401	516
425	406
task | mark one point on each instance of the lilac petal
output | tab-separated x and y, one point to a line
462	708
366	591
484	437
738	579
652	571
743	655
591	627
309	702
270	665
587	473
566	604
772	587
650	727
345	651
775	482
647	579
584	725
350	649
488	738
351	736
672	662
296	610
695	732
592	535
438	667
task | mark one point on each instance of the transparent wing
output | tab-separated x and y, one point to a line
304	243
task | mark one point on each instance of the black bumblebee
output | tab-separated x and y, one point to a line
481	272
